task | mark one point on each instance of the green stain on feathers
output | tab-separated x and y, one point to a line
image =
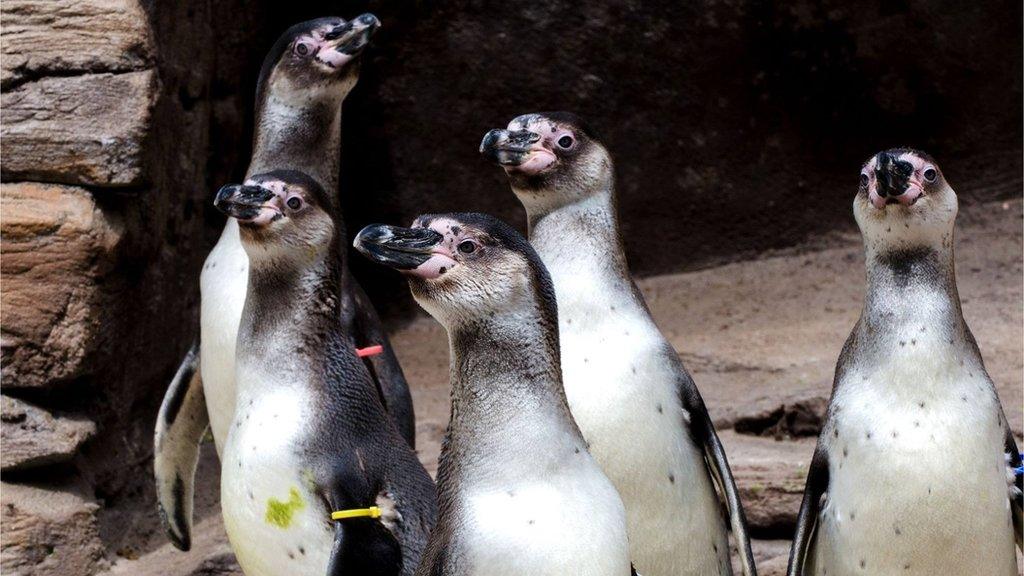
280	513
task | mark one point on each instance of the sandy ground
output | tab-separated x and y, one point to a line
761	339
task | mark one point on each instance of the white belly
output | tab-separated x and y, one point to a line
223	284
571	521
626	402
926	493
274	520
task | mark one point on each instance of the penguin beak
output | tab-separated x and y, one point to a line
508	148
352	36
415	251
247	203
894	182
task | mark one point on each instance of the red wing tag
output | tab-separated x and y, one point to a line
369	351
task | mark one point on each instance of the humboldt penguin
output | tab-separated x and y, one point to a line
310	436
913	471
635	403
304	79
519	493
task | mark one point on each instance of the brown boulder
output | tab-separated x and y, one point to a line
56	242
79	130
45	36
48	531
33	436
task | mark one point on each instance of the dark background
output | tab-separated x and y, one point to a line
736	127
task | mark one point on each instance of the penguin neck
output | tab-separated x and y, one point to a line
304	137
910	287
292	295
582	237
506	375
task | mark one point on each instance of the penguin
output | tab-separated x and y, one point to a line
912	473
634	401
519	494
304	79
310	437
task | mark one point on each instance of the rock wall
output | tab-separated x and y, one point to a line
737	126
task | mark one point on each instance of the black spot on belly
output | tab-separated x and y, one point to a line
577	450
920	404
902	343
853	515
863	563
660	411
906	566
896	530
530	522
868	435
895	434
291	555
302	550
672	478
835	432
846	452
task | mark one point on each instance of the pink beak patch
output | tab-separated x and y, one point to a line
439	262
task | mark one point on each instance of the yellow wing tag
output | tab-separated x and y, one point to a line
371	512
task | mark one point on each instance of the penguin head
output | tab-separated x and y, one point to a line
281	214
462	267
904	198
551	158
320	55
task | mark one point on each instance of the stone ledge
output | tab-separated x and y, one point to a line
34	437
48	531
56	244
88	130
46	36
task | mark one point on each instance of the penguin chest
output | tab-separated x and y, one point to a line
223	284
568	522
275	521
625	399
918	480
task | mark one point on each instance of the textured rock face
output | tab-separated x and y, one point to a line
82	130
56	246
48	531
34	437
44	37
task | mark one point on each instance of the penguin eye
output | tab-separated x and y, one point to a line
863	179
294	202
467	246
930	175
565	142
303	48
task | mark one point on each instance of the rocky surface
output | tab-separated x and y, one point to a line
33	437
762	335
44	37
57	244
49	531
87	129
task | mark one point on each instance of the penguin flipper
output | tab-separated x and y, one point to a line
703	431
180	427
806	521
1017	488
384	367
